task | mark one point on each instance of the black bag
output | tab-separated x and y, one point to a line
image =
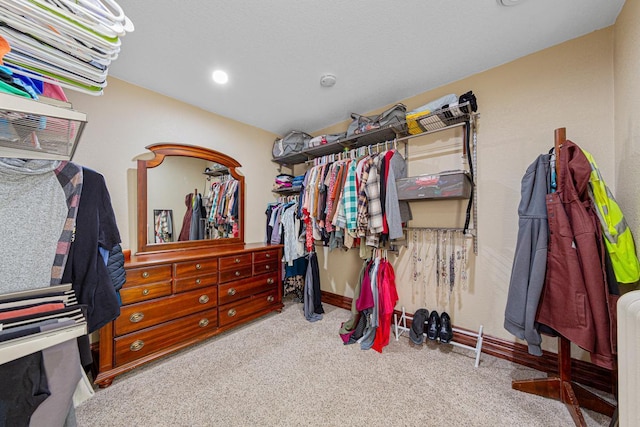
471	99
393	117
292	143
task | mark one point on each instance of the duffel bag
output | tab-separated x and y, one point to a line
292	143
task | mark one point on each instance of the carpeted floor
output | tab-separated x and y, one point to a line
284	371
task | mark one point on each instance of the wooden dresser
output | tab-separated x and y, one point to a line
175	299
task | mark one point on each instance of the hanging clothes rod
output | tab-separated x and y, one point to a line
470	230
354	152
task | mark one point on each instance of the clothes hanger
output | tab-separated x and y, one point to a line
41	17
113	19
59	60
83	17
38	34
80	16
17	37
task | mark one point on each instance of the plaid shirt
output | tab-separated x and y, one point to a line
372	191
363	210
351	198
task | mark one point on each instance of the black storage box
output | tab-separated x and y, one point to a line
444	185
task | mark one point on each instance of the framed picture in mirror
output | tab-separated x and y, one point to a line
163	225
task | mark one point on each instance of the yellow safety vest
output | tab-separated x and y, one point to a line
618	237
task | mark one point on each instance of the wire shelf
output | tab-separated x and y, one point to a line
31	129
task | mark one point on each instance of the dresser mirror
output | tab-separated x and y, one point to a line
188	197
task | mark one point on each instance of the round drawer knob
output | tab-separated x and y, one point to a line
231	291
198	281
267	255
231	312
136	345
270	298
198	266
270	281
237	260
267	267
237	273
145	292
145	274
136	317
203	322
203	299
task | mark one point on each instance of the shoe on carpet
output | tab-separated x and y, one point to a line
446	331
433	327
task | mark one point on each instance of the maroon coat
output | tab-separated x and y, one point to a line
575	300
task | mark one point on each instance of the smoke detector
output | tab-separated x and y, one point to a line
327	80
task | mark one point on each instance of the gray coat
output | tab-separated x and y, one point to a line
530	261
397	211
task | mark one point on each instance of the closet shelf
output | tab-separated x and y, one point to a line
427	123
375	136
38	130
216	172
19	347
287	191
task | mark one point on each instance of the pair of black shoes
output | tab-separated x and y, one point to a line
439	326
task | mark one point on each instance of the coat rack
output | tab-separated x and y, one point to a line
561	387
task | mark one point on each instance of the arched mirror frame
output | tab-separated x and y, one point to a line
160	152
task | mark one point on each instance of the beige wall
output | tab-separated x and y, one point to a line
627	106
127	118
521	103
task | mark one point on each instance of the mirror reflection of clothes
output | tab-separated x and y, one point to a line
222	204
186	222
198	216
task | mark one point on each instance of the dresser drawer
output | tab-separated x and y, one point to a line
231	313
231	262
265	267
138	344
234	291
238	273
196	268
144	275
182	285
144	314
130	295
264	256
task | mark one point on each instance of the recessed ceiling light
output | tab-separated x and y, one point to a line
220	77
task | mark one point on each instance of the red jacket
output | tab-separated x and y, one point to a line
575	300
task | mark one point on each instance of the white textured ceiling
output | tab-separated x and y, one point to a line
381	51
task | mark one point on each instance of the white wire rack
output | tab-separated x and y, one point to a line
400	326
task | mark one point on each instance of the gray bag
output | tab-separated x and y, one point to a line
325	139
393	117
292	143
